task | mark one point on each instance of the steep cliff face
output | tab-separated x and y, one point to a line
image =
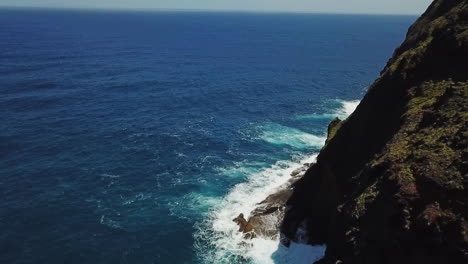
390	186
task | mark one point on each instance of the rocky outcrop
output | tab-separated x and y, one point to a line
266	218
244	226
390	184
333	128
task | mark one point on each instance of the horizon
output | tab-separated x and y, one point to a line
190	10
358	7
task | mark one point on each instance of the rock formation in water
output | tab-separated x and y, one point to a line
390	186
265	219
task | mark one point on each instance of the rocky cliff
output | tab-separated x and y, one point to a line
390	186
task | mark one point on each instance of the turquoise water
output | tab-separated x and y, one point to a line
134	137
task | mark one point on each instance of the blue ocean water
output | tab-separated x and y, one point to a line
133	137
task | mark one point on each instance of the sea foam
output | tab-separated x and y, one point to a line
346	108
217	237
283	135
226	244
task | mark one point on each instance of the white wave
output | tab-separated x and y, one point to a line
218	240
347	108
283	135
315	117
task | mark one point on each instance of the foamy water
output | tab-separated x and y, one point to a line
346	108
218	239
227	244
282	135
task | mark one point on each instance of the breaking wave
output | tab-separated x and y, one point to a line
346	108
217	239
283	135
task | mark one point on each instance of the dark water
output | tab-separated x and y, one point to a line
121	132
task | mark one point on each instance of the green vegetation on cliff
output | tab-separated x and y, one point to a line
390	186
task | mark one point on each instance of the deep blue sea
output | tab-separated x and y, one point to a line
135	137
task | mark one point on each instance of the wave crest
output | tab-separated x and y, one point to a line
346	109
217	238
282	135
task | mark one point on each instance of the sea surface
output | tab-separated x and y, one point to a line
135	137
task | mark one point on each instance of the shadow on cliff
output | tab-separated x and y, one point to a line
391	185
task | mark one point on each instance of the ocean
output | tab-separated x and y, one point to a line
136	137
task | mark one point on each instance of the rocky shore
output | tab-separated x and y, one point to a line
390	185
266	219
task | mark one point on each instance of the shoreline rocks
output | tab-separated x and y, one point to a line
265	220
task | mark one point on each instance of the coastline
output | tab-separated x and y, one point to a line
262	199
390	185
134	141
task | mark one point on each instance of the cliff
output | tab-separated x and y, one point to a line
390	184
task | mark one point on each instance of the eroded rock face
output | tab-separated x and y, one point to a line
268	215
244	226
266	219
390	186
